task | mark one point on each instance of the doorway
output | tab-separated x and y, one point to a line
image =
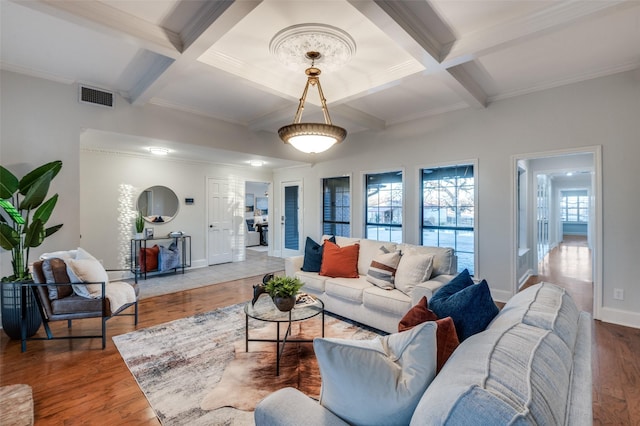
557	226
291	219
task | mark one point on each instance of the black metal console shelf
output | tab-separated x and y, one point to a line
138	255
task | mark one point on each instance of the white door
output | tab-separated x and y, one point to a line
220	221
291	218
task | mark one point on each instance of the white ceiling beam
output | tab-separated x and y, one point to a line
417	28
558	15
213	22
114	22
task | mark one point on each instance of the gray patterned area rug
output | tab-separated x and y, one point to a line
195	370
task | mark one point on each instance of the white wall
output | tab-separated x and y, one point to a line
111	183
42	121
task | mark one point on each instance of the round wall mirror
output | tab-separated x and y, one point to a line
158	204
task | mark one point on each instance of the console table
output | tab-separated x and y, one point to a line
138	253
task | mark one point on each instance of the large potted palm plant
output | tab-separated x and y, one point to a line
24	214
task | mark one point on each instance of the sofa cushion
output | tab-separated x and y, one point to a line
347	288
312	281
313	255
392	301
382	270
340	262
444	260
523	378
379	381
414	268
86	269
543	305
470	305
55	271
447	339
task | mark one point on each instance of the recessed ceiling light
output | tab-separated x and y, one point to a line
156	150
256	163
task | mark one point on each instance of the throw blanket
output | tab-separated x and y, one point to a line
119	294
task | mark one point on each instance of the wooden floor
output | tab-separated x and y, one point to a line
616	349
75	382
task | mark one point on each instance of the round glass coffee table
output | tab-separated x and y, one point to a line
265	310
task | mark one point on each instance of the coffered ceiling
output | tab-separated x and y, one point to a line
414	59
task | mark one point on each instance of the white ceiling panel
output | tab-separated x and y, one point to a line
45	45
585	50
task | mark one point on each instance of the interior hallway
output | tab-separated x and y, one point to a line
569	265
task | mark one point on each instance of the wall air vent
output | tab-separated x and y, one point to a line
93	96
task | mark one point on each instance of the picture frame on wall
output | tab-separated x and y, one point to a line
248	203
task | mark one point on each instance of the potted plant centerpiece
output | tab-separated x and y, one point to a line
23	217
283	291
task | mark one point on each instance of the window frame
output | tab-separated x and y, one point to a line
365	203
322	204
475	228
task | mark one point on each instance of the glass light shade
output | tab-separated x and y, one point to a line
312	138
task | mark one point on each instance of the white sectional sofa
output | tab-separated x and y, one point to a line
361	301
531	366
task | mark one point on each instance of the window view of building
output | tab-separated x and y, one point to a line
336	206
384	206
448	211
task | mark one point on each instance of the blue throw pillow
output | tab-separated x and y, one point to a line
460	282
313	255
472	308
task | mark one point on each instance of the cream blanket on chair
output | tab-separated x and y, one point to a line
119	294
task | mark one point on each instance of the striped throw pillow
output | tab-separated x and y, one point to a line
382	270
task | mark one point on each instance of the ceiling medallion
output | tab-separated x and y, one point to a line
291	45
312	138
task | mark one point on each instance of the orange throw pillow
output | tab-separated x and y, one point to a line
148	259
446	336
340	262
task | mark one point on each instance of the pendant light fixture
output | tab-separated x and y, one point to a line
312	137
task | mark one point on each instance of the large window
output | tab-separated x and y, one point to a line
336	206
574	206
448	211
384	206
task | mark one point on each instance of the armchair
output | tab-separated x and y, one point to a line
56	300
252	237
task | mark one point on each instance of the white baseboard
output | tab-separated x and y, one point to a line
620	317
501	295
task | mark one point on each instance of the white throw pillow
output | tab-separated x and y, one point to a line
86	269
379	381
414	268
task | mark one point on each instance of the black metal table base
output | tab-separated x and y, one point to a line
280	343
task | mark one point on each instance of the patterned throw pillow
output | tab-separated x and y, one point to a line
382	270
447	339
340	262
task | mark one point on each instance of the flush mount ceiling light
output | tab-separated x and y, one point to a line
308	41
156	150
256	163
